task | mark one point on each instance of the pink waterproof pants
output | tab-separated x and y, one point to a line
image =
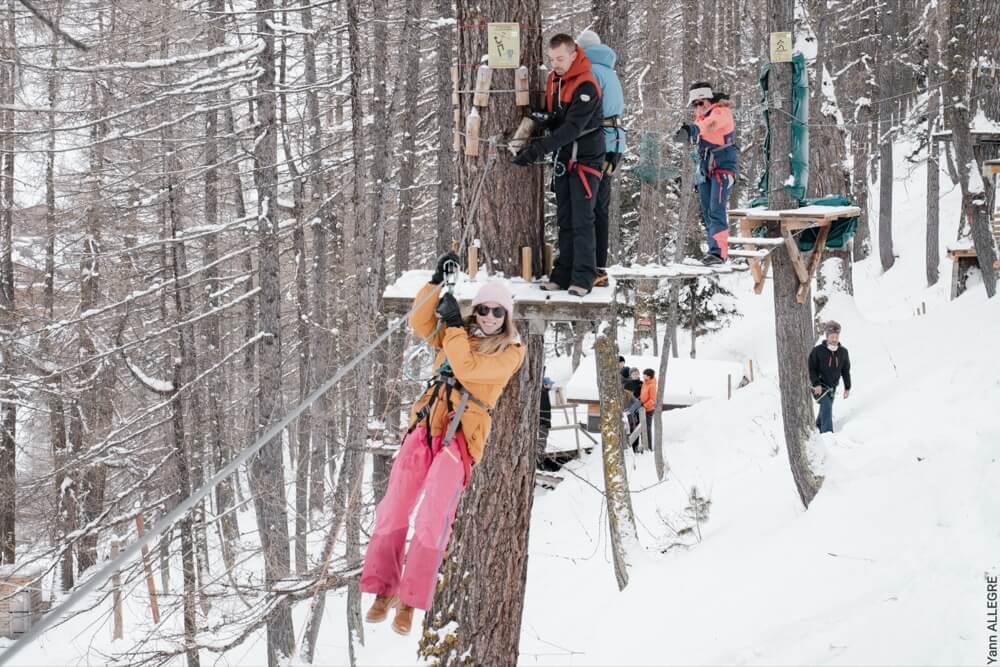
441	475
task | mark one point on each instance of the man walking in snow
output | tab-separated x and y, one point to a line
603	59
828	362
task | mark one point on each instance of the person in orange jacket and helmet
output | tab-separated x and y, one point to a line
449	426
714	130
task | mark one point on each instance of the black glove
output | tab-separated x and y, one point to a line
529	155
448	311
611	161
543	118
683	134
438	276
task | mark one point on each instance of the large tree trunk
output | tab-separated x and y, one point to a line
445	121
976	192
266	469
8	393
886	117
933	245
621	521
322	216
363	261
793	321
387	391
476	615
690	10
218	437
96	403
64	490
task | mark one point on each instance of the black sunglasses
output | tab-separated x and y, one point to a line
698	103
483	310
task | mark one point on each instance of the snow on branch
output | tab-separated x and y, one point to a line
162	387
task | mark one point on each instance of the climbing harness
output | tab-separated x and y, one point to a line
445	382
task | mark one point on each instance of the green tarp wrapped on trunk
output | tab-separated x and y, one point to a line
799	127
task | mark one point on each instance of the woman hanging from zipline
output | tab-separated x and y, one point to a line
449	426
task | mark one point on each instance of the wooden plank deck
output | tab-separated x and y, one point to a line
779	227
530	302
673	271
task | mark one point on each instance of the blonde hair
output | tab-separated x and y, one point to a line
495	343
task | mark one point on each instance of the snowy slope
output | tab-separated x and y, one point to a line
888	564
886	567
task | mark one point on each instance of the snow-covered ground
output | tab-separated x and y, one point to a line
888	565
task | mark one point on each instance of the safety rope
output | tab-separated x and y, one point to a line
108	569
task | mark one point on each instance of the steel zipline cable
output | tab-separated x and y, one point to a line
104	573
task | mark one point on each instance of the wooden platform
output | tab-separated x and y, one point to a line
531	304
957	253
979	137
673	271
780	227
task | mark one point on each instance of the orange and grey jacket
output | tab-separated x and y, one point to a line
574	100
716	133
483	376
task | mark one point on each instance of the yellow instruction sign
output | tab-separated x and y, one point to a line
504	45
781	47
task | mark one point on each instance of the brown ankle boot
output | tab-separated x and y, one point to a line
379	610
404	619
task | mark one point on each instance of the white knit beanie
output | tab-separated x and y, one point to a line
495	292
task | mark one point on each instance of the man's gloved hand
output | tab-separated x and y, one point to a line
683	134
529	155
543	118
438	276
449	311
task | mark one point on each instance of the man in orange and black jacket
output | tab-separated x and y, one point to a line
573	117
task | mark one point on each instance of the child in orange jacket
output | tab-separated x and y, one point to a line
648	399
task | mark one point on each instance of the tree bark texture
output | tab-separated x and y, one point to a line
8	393
933	242
793	321
976	191
621	520
266	469
476	614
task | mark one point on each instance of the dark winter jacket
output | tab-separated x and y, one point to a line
634	386
826	367
545	410
574	100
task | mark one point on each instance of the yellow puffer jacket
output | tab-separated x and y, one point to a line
483	376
